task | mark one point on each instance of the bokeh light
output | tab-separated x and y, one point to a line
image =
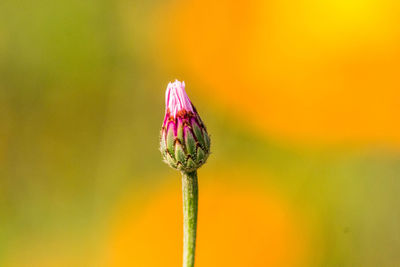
239	225
312	71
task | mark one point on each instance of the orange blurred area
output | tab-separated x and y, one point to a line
239	225
308	71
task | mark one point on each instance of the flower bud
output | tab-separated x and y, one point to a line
185	144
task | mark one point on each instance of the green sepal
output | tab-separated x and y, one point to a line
200	155
170	160
179	153
179	132
198	134
170	141
163	145
190	143
206	140
190	164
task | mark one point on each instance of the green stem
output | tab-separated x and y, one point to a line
190	198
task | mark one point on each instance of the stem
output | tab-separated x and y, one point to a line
190	198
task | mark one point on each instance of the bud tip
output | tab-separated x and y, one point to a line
176	98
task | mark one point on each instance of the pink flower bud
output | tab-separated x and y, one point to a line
185	143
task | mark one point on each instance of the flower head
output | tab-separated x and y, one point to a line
185	144
176	98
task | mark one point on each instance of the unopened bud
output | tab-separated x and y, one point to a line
185	144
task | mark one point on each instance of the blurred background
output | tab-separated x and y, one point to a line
301	98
